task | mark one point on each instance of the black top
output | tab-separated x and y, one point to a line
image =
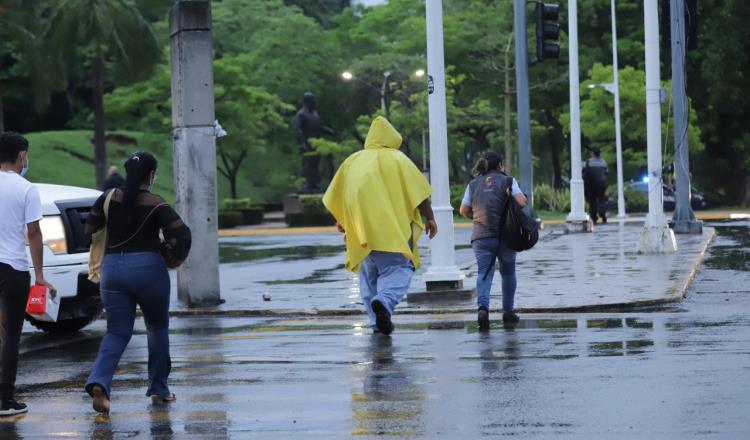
123	234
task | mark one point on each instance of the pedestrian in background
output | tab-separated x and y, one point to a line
114	179
377	196
483	203
134	273
22	210
595	174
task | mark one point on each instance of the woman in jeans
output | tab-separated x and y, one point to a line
483	203
133	272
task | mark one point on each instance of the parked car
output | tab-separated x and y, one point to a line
66	255
697	200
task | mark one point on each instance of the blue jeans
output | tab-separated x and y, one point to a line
129	279
486	251
384	276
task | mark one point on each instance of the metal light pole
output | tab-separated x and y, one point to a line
443	271
525	165
577	220
383	91
656	236
618	134
614	90
684	221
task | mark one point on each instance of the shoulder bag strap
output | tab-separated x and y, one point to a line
106	205
145	220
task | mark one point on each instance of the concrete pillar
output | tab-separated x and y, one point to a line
443	272
194	143
577	220
656	236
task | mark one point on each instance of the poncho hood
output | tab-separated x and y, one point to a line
382	135
375	196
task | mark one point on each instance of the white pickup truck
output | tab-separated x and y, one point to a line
66	254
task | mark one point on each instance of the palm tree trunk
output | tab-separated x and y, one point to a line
2	116
97	91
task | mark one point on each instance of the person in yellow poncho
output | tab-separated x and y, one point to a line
378	197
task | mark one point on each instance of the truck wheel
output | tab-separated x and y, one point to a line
67	326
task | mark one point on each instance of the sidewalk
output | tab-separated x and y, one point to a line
303	273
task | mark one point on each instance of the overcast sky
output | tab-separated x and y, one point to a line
368	2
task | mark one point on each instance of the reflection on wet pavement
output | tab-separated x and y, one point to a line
666	374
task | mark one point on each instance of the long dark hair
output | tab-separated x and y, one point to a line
138	168
489	161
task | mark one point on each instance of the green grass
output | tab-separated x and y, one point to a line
67	158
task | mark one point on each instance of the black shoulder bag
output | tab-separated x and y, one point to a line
518	227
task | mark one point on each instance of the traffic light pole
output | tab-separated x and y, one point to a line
526	169
684	221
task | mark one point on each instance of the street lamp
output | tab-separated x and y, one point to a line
614	89
383	89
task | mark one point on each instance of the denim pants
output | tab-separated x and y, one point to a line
128	279
384	276
14	291
486	251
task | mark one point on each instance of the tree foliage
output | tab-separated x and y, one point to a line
269	52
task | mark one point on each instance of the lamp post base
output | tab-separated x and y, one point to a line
657	240
574	227
687	226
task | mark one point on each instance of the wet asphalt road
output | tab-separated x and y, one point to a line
681	373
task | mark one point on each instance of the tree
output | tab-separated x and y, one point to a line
249	115
597	117
28	69
105	30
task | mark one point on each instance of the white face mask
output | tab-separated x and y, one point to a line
153	181
25	168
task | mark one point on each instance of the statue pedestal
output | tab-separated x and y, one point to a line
291	204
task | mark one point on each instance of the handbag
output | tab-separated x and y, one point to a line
166	249
99	245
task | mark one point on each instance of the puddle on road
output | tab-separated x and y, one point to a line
318	276
237	253
731	250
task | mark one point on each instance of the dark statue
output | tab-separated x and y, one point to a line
308	125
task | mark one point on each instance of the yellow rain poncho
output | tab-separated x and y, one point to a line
374	196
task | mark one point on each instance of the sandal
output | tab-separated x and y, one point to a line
100	401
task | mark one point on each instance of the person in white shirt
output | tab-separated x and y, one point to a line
22	210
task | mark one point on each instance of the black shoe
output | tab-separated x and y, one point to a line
510	318
11	408
604	219
483	319
382	317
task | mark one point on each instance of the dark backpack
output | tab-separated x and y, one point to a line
518	227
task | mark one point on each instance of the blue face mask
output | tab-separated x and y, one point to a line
25	168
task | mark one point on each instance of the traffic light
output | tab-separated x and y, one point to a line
547	31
